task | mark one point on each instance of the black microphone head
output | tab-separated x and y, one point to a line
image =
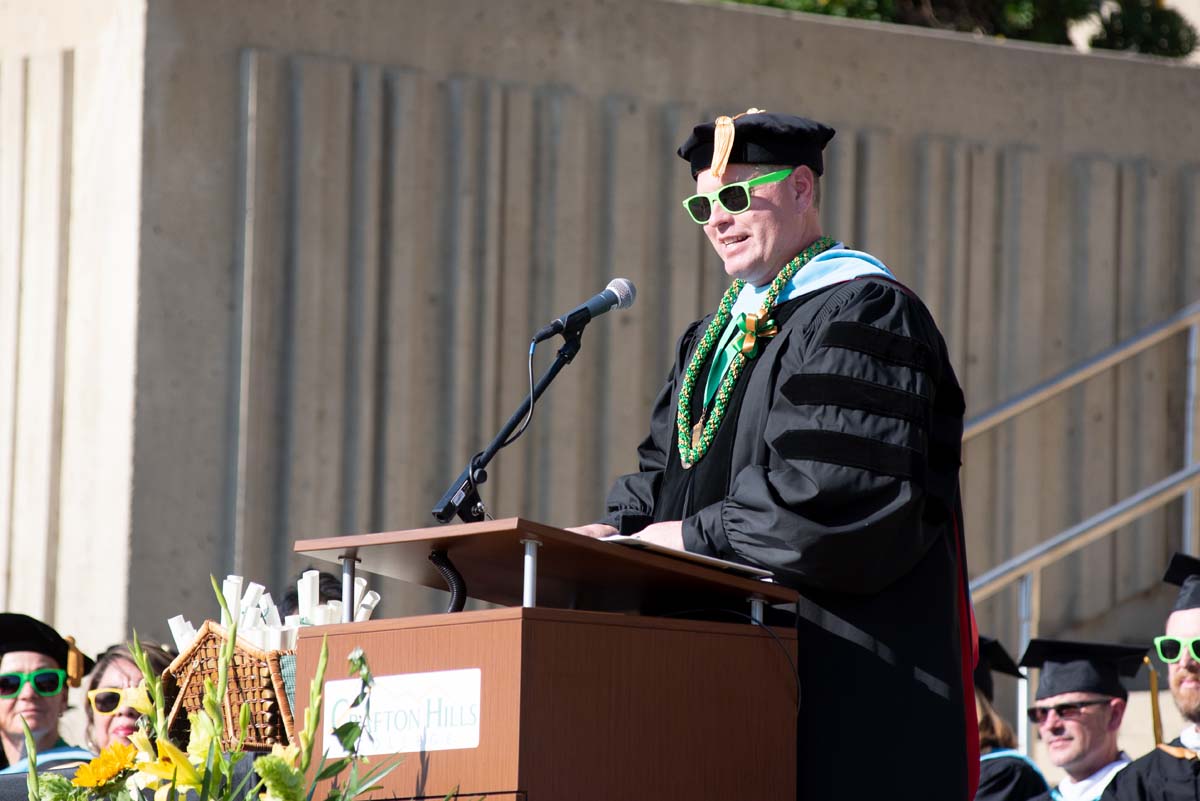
625	291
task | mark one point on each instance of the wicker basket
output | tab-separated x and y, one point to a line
256	678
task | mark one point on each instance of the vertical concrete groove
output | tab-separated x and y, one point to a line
497	345
921	222
54	496
548	129
477	273
355	300
1007	229
389	124
667	210
1080	253
949	267
606	233
1185	218
450	273
19	233
232	532
860	223
285	386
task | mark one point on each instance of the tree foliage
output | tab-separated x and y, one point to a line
1143	26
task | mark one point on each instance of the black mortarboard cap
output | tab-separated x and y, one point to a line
762	138
1184	572
993	658
1075	667
24	633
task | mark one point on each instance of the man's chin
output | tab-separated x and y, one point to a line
1187	700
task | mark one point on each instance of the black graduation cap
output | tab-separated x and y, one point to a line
762	138
993	658
1073	667
24	633
1184	572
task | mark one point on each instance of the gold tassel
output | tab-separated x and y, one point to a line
74	663
722	145
1155	715
723	141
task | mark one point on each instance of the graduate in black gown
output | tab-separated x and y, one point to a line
813	427
1171	772
1079	708
1005	774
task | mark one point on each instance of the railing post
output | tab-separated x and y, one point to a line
1029	590
1189	442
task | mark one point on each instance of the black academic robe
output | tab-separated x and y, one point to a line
837	469
1157	776
1010	778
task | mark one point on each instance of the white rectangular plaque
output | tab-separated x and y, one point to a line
410	712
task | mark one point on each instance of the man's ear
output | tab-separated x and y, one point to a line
802	184
1118	714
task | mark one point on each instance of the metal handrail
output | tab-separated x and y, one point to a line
1025	569
1090	530
1067	379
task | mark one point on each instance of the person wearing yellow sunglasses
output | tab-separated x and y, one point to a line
110	693
36	666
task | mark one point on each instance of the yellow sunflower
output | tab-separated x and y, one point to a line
114	760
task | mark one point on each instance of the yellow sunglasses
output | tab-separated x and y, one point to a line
107	700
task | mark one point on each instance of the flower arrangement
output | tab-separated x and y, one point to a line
203	770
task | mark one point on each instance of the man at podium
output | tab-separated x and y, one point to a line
812	426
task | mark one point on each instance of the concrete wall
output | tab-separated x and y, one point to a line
281	286
70	174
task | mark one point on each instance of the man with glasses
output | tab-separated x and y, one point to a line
1171	772
1078	710
812	426
36	665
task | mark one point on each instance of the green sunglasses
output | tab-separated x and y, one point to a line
46	682
734	198
1170	649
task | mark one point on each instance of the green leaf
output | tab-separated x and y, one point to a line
31	778
348	735
333	768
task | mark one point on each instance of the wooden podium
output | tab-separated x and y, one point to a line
579	697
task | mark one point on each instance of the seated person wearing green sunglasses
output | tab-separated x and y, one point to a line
812	426
1171	772
36	666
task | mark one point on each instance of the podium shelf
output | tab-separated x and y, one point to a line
573	571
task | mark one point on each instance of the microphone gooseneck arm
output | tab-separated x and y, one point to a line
462	498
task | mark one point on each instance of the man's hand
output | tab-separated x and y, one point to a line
595	530
668	533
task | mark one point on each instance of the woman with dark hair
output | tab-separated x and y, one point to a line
110	713
1005	774
36	665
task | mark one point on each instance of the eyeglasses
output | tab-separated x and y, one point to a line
107	700
1069	711
1170	649
46	682
734	198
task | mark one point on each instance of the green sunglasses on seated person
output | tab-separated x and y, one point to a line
46	682
734	198
1170	649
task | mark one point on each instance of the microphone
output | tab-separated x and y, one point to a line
619	294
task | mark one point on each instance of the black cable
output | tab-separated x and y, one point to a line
760	624
529	414
513	438
454	580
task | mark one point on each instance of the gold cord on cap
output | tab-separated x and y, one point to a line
1155	715
723	140
74	663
